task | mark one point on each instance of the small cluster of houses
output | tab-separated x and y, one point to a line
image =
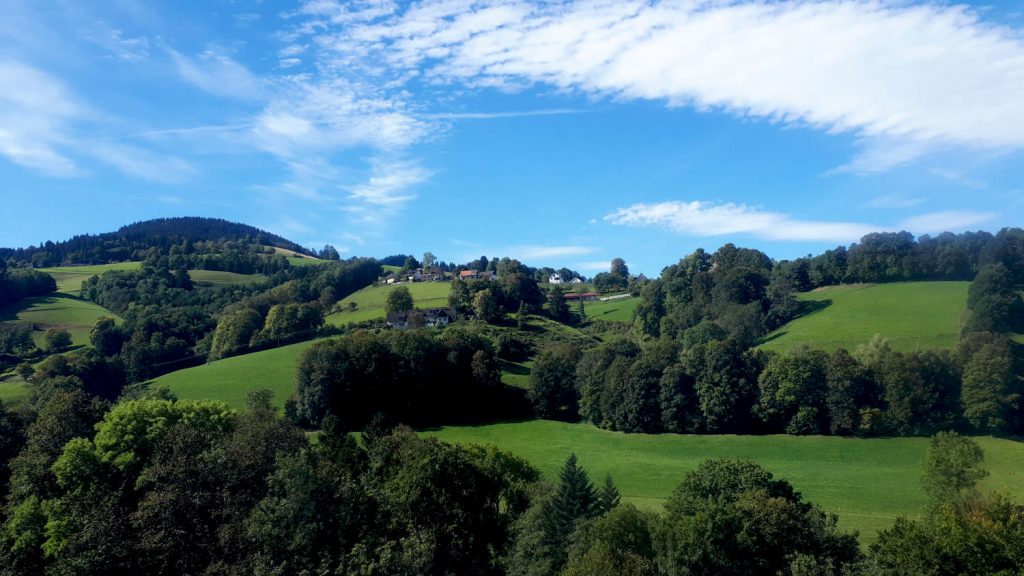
435	275
417	275
556	278
426	318
477	275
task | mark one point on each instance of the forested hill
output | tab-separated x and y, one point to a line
129	242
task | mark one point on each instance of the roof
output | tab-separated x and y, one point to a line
467	273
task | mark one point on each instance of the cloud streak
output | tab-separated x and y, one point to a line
881	71
706	219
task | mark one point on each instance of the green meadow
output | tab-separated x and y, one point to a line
911	315
370	301
867	482
69	278
217	278
231	379
57	311
619	310
296	259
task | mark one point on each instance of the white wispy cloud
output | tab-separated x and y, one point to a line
214	72
706	219
894	201
325	115
142	163
540	252
594	265
36	111
948	220
389	185
904	78
699	218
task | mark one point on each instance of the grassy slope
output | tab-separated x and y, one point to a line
912	315
371	301
867	482
57	311
620	310
69	278
218	278
296	259
13	390
231	379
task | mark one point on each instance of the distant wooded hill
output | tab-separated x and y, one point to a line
131	241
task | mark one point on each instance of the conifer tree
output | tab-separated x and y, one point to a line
608	496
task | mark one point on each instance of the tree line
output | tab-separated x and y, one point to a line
154	485
133	241
716	386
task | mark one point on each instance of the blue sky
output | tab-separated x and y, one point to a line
561	133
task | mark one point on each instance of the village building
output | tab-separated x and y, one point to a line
425	318
477	275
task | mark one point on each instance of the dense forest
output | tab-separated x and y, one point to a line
131	242
102	473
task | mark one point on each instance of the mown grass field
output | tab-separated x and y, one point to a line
620	310
57	311
217	278
911	315
13	390
69	278
296	259
370	301
867	482
231	379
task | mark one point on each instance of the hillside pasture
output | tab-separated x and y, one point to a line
296	259
231	379
370	301
212	278
618	310
56	310
910	315
69	278
866	481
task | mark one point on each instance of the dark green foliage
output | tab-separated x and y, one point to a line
485	307
105	336
983	536
608	496
619	542
991	389
552	383
558	308
16	339
399	300
56	340
963	532
952	468
12	440
235	331
733	517
543	534
993	300
18	283
414	376
793	390
130	242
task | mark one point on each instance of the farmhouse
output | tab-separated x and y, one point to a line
555	278
477	275
428	318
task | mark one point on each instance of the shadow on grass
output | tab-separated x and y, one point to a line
514	368
809	307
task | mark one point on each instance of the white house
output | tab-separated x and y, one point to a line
555	278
